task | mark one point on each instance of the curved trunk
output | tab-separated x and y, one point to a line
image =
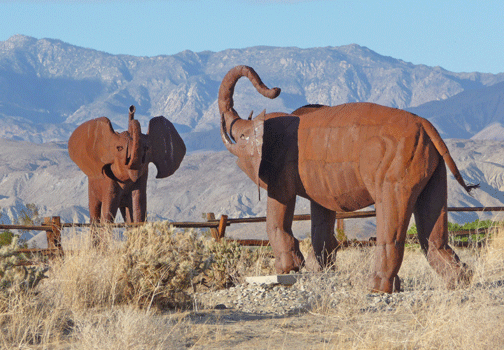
134	155
226	92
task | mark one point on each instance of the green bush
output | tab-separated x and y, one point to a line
6	238
477	224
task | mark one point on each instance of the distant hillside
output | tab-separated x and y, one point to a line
475	114
48	87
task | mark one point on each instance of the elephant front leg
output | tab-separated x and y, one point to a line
139	200
95	209
111	199
94	200
285	246
324	242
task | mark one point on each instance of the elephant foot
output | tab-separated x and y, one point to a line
312	264
289	261
447	264
385	285
460	278
319	263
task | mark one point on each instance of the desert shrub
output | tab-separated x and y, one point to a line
16	278
155	266
6	238
231	263
160	264
225	257
28	217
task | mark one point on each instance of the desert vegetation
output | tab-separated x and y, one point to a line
153	287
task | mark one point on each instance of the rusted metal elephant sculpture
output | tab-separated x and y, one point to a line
117	163
345	158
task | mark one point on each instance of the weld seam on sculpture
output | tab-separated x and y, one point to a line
345	158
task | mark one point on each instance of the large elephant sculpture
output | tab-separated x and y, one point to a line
342	159
117	163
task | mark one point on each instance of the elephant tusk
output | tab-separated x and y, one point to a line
225	137
250	116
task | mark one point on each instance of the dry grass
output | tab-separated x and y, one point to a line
94	299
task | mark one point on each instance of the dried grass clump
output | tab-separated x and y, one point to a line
31	319
425	315
127	328
87	277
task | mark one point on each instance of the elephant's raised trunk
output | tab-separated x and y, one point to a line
132	111
226	91
134	158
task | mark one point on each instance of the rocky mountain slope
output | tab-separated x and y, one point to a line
477	114
48	87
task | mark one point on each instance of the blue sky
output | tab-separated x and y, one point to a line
460	36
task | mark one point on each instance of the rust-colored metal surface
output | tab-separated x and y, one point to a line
117	163
345	158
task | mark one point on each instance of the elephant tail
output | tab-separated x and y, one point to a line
443	150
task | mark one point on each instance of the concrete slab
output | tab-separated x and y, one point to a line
274	279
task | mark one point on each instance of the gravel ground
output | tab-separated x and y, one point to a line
311	290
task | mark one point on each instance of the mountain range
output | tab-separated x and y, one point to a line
48	88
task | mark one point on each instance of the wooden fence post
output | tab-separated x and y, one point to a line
222	226
53	232
213	231
340	230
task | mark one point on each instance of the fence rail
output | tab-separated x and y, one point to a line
53	226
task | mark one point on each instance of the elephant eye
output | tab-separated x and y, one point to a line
242	136
120	148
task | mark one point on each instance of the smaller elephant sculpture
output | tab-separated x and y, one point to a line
117	163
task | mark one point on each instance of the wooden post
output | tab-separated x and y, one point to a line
53	232
222	227
340	230
213	231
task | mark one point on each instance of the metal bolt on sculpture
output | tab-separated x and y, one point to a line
117	163
345	158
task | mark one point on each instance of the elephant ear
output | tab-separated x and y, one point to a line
92	146
279	147
167	149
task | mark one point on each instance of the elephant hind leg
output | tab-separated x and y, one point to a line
393	212
323	240
431	218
